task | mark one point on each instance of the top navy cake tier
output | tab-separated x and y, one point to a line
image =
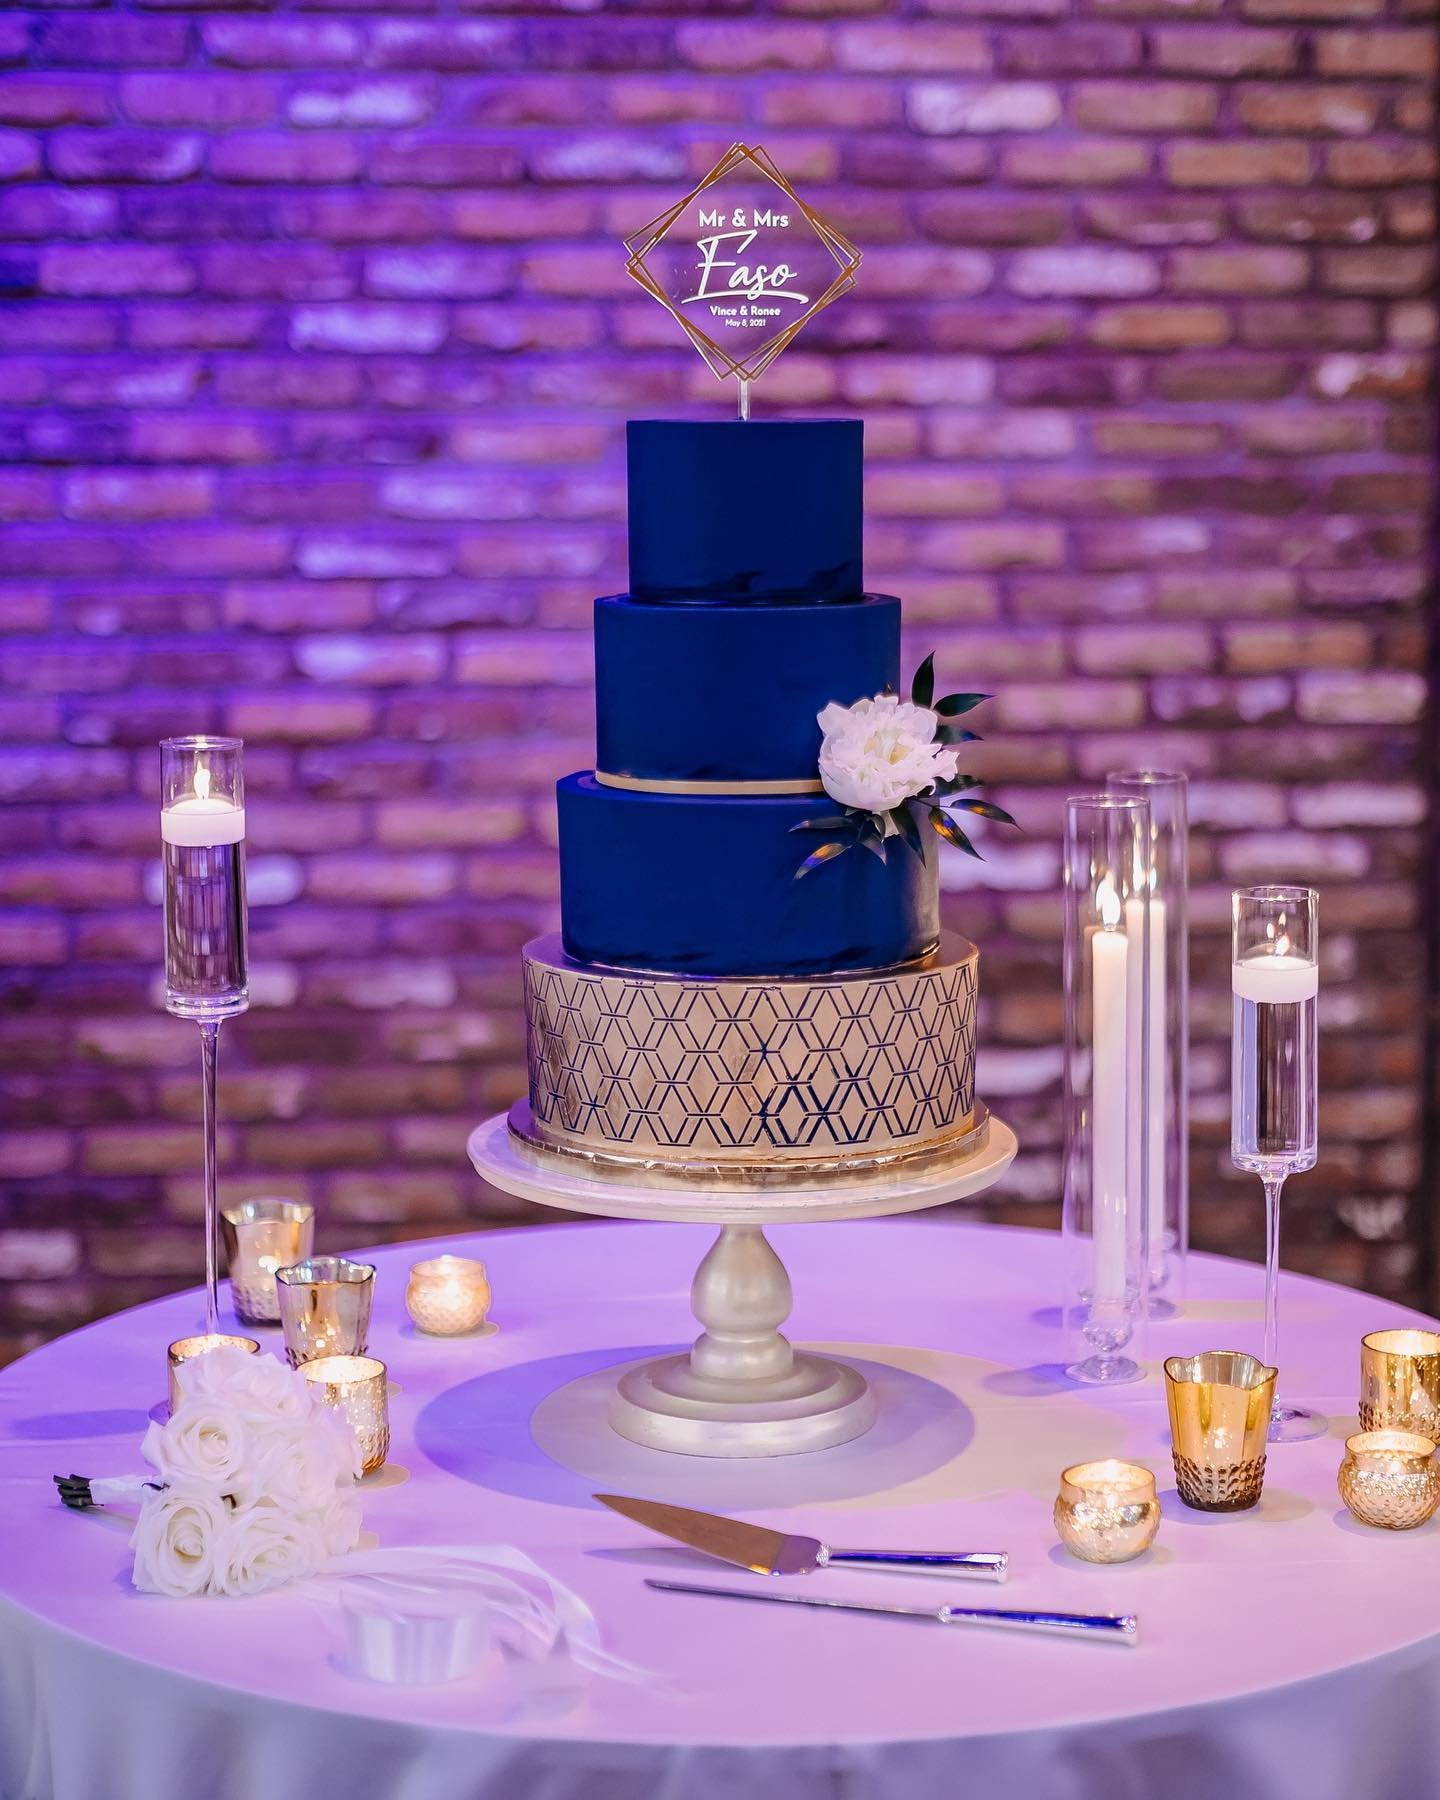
745	510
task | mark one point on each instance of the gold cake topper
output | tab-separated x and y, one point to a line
742	264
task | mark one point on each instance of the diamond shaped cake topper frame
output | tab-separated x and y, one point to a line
744	368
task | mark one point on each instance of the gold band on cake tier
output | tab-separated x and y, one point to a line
853	1169
639	784
761	1081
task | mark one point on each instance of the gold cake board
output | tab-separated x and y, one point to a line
741	1390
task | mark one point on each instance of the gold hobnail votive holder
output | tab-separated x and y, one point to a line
325	1307
448	1296
356	1386
261	1238
1107	1512
1390	1479
183	1349
1219	1403
1400	1382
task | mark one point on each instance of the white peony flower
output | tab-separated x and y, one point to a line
206	1440
881	752
180	1539
268	1546
259	1387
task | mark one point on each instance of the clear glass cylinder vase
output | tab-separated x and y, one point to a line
1168	1148
1107	885
202	828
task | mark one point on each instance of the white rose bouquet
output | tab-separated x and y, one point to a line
880	755
253	1485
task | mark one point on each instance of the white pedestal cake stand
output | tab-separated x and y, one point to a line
741	1390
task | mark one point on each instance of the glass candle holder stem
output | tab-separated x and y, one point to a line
209	1050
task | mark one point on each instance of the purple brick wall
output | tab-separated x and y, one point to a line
315	348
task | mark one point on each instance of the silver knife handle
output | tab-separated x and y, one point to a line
1100	1628
967	1565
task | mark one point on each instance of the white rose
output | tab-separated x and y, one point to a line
180	1539
878	753
340	1523
267	1546
205	1440
297	1467
257	1386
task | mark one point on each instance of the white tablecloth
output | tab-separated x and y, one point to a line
1285	1651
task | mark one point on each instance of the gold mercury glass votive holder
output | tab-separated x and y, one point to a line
325	1307
261	1237
183	1349
356	1385
1390	1479
1107	1512
447	1296
1219	1406
1400	1382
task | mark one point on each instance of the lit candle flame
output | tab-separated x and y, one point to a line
202	782
1107	903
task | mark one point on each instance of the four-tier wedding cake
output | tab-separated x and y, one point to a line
705	1017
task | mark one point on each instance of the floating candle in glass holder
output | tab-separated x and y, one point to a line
325	1307
184	1348
355	1386
447	1296
1107	1512
262	1236
1390	1479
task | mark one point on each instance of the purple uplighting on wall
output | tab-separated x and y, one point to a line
316	346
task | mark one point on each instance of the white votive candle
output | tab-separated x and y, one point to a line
1275	979
202	819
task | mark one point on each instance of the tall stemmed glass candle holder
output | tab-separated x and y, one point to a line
1275	987
202	826
1168	1147
1106	1071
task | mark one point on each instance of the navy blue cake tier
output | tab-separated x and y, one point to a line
707	886
730	693
745	510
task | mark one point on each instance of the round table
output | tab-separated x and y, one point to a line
1283	1651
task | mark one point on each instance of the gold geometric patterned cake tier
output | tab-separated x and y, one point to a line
773	1074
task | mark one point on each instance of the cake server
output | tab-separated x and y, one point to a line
767	1552
1099	1628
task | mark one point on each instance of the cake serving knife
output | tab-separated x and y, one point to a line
766	1552
1098	1628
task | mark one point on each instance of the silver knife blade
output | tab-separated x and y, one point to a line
767	1552
753	1547
1112	1628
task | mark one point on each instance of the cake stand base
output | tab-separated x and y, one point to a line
741	1390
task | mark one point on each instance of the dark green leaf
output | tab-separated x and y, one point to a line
922	688
957	784
955	734
876	846
826	853
954	704
984	809
835	822
951	832
908	829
